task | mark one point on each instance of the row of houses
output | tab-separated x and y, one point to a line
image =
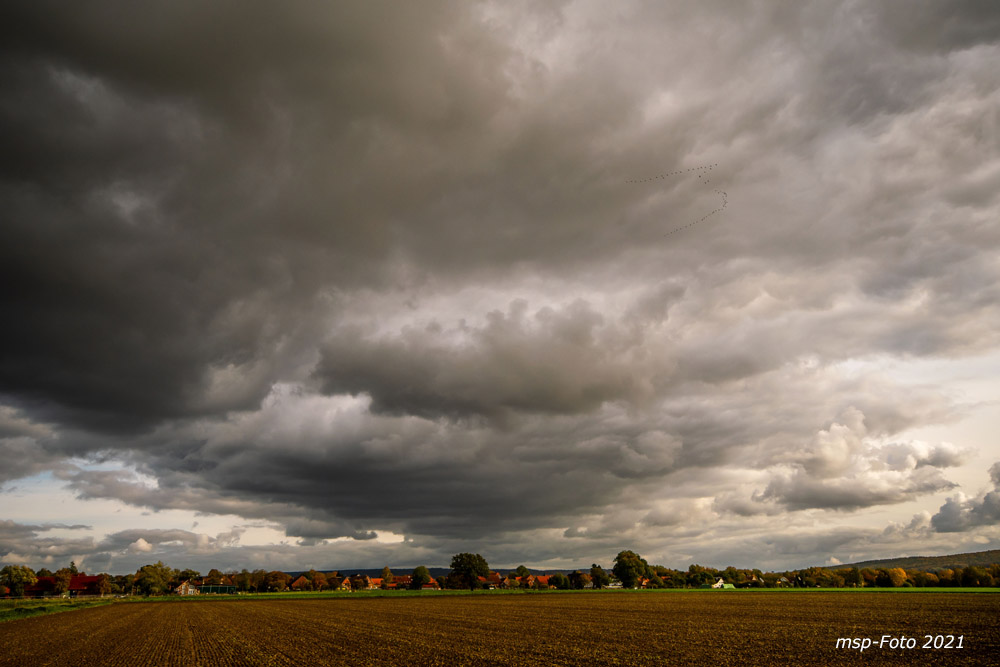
334	581
361	582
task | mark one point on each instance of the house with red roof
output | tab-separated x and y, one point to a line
493	580
79	584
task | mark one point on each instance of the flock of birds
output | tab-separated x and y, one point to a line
702	173
679	172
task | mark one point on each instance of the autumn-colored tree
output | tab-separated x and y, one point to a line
897	576
578	579
319	581
276	581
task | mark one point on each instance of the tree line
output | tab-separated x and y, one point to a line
471	571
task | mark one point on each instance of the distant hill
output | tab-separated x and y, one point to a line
929	563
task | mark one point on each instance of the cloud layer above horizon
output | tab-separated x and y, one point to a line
394	281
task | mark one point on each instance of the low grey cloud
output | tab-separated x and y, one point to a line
28	543
373	270
960	513
141	541
844	468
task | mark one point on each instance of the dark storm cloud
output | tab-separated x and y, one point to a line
939	26
550	361
357	269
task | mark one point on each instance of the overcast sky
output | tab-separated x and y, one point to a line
328	285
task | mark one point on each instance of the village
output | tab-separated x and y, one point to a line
471	572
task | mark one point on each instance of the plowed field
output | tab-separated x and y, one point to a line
674	628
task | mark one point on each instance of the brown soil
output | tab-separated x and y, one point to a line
672	628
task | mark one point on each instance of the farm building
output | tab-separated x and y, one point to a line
79	584
218	589
719	585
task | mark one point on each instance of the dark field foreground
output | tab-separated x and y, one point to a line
675	628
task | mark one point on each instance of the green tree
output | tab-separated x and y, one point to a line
121	584
976	576
16	578
103	584
630	568
598	576
188	575
213	578
243	580
44	572
522	571
153	579
61	579
560	581
852	577
421	575
468	568
72	568
386	577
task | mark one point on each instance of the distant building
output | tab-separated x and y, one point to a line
186	588
301	584
79	584
217	589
